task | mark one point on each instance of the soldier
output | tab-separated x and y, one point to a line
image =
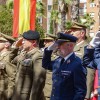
7	69
30	78
69	76
79	31
92	59
48	40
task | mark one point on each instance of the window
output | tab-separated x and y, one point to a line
92	14
92	4
49	7
40	20
81	11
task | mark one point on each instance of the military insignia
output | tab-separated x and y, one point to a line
63	72
27	62
68	61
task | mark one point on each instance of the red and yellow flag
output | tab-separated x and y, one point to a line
24	16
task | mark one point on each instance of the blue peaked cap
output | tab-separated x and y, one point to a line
63	37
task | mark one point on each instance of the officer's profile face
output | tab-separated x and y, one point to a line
27	44
65	48
79	33
76	33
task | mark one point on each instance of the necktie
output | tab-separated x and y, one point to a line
62	61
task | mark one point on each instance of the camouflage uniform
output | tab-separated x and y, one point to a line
7	76
30	77
7	69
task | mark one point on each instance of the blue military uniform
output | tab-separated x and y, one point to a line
88	58
91	67
69	79
97	62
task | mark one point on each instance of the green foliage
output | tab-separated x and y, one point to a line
51	27
87	20
54	19
68	24
5	20
40	29
68	2
91	1
9	4
54	16
40	8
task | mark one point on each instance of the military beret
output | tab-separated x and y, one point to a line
5	38
62	37
49	37
31	35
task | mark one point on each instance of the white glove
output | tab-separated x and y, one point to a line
96	40
53	46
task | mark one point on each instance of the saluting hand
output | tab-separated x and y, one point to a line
96	40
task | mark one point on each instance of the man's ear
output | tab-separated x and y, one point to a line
82	33
34	43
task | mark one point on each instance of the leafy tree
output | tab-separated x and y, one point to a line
68	24
75	10
9	4
64	9
54	20
40	29
5	20
40	8
87	20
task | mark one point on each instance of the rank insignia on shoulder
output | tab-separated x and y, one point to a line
68	61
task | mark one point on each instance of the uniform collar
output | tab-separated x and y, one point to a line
80	43
68	56
32	52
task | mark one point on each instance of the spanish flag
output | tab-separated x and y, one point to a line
24	16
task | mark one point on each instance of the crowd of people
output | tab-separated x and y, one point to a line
58	67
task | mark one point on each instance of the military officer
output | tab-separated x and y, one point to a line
48	40
94	46
69	76
7	69
30	78
79	31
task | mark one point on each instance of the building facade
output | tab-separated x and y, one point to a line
84	7
93	10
